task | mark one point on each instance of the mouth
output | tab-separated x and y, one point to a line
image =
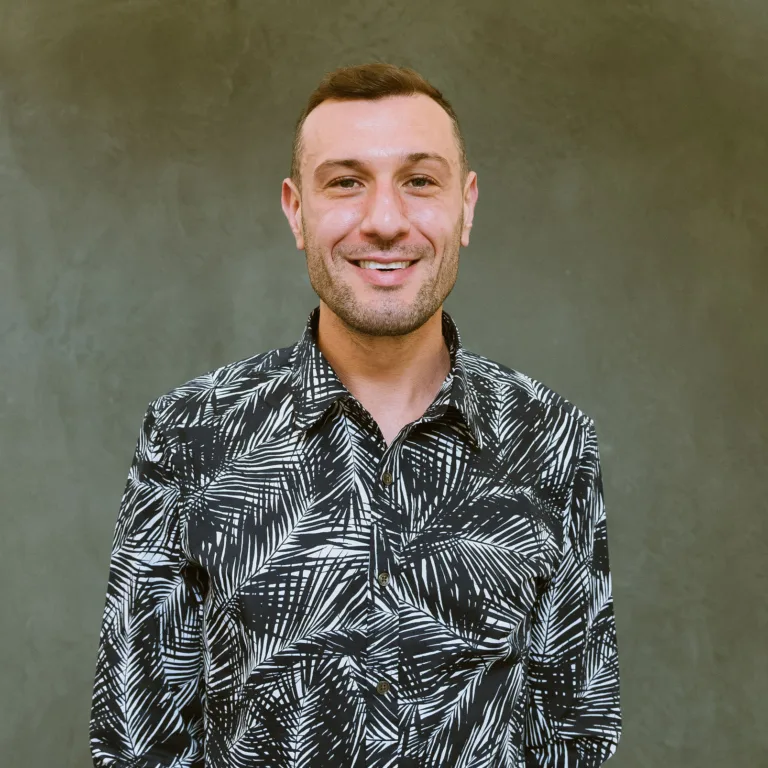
391	273
382	266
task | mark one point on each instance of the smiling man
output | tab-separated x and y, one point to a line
372	547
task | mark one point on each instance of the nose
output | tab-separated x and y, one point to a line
385	217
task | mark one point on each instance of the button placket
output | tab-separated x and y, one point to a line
383	656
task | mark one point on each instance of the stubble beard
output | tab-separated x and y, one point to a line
390	315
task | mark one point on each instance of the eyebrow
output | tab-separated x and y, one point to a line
357	165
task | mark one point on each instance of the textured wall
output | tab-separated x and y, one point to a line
618	254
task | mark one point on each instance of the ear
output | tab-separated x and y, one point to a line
469	200
291	202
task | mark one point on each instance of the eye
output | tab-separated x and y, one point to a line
345	180
422	178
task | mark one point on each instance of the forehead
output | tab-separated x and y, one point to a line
377	129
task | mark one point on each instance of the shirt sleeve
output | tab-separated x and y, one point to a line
573	718
147	695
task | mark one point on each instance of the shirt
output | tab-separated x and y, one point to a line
286	589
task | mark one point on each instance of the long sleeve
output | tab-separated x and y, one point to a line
147	696
573	718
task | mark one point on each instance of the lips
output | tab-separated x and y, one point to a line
388	277
381	260
385	265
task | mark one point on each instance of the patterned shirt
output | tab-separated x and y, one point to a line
287	589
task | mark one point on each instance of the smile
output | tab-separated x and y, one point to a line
383	267
392	274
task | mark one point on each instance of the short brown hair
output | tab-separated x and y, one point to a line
372	81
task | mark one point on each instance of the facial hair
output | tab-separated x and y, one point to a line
389	315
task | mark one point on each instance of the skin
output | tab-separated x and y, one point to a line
384	342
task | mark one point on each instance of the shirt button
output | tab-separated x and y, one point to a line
386	478
383	578
382	687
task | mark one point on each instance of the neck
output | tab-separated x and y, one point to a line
397	372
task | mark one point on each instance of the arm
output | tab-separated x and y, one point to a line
573	718
147	709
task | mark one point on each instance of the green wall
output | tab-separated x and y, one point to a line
619	255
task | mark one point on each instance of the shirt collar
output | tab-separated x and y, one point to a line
316	386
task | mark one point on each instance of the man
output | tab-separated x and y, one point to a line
372	547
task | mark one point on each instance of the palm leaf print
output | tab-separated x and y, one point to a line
289	590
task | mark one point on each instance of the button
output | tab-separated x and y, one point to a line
386	478
382	687
383	578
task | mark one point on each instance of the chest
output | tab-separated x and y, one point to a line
293	529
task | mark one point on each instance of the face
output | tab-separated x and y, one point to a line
381	180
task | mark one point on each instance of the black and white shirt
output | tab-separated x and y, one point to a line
286	589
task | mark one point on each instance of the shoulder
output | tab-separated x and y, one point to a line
532	425
502	381
199	398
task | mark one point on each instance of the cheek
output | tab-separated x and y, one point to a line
434	223
335	223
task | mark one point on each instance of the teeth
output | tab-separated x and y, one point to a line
376	265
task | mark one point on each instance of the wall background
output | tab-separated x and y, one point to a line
619	255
